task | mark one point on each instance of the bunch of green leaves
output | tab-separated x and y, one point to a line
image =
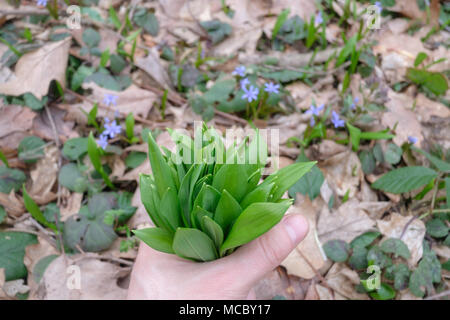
205	200
386	256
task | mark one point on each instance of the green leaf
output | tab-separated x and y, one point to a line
227	211
427	273
393	154
117	63
355	136
32	102
135	159
438	163
160	168
433	81
337	250
79	76
74	148
213	230
287	177
11	179
400	274
420	58
151	200
367	161
3	159
233	178
437	228
216	30
35	212
280	21
129	126
12	252
156	238
91	37
396	246
386	292
254	221
94	155
259	194
377	256
2	214
350	46
171	209
405	179
194	244
31	149
365	239
310	183
358	259
71	177
147	21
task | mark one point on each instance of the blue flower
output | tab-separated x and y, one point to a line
353	105
250	93
110	99
239	71
112	129
312	121
42	2
315	110
271	87
412	140
319	18
336	121
103	141
244	82
379	6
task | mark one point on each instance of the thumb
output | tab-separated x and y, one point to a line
265	253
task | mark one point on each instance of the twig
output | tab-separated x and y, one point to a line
439	295
91	255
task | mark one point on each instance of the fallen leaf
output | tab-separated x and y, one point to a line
15	121
310	247
43	128
343	281
12	204
98	281
346	223
48	63
70	203
413	236
151	64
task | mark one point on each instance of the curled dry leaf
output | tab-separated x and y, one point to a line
15	121
310	248
48	63
413	236
44	176
343	173
70	203
12	203
132	99
346	223
401	116
98	280
151	64
343	280
43	128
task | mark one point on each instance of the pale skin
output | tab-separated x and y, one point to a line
158	275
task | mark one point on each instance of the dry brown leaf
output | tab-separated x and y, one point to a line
70	203
12	203
47	63
326	149
33	254
98	281
413	236
133	99
151	64
408	8
44	176
15	121
43	128
343	280
345	223
401	116
426	109
310	247
2	283
343	173
442	251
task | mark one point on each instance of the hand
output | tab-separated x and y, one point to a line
158	275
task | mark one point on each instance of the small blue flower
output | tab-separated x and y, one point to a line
271	87
312	122
102	141
244	82
240	71
110	99
353	105
112	129
315	110
319	18
42	3
379	6
336	121
412	140
250	94
107	120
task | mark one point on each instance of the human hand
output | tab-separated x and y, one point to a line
158	275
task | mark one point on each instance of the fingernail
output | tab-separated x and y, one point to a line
296	227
